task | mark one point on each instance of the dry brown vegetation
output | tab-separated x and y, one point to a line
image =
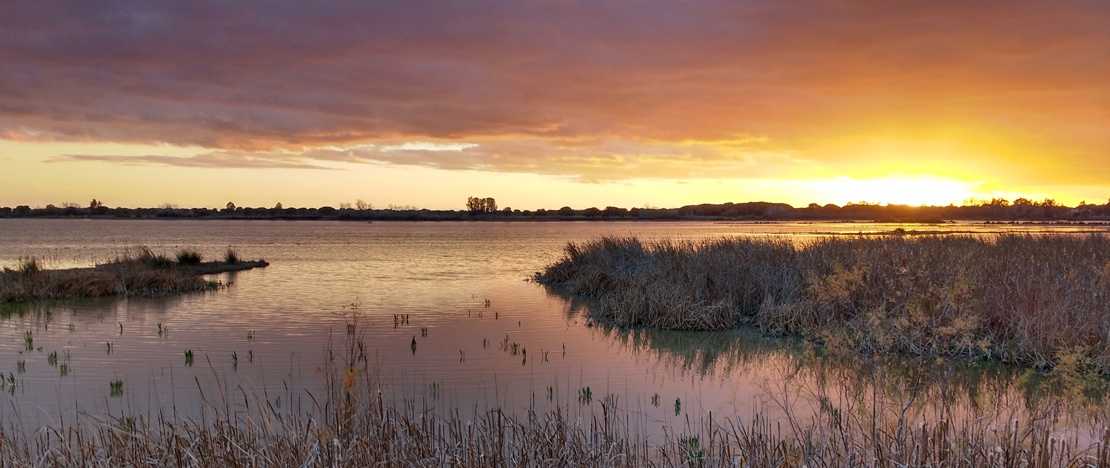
139	273
352	425
366	432
1036	300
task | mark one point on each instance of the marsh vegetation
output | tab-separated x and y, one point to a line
138	272
505	373
1034	300
873	414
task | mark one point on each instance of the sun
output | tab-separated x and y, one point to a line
903	190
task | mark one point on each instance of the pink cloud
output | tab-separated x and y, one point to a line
548	87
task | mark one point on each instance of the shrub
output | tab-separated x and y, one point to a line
188	257
29	266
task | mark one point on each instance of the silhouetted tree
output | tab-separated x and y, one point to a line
481	205
94	204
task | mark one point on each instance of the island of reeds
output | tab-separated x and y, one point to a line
1034	300
138	273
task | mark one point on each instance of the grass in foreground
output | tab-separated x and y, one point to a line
142	273
1040	301
351	425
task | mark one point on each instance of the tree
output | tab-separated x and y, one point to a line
94	204
277	206
363	205
481	205
230	206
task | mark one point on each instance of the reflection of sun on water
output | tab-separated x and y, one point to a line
923	190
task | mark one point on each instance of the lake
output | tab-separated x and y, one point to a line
449	320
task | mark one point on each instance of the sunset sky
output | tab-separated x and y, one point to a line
546	104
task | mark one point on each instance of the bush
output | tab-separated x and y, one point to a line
188	257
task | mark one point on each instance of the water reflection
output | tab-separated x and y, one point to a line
266	334
808	383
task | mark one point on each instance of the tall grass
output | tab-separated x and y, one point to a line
351	425
188	257
137	272
1040	301
231	257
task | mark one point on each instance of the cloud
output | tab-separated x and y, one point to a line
223	159
595	162
596	90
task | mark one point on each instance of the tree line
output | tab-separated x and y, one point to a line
485	208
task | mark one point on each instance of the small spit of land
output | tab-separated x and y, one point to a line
1035	300
141	273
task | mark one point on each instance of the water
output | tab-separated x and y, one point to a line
266	335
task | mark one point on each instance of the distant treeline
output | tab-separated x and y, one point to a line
997	209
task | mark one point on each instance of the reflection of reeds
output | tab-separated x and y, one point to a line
1034	300
351	425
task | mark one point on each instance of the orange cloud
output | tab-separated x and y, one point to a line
592	90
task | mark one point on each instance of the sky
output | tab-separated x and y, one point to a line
543	104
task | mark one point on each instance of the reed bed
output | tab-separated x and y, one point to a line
136	273
381	435
350	424
1035	300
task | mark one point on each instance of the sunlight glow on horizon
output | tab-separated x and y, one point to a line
544	105
36	181
901	190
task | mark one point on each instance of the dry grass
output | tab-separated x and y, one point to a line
351	425
1040	301
139	273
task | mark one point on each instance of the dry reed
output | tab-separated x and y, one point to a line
1040	301
352	425
140	273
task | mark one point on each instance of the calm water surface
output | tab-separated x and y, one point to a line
266	334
